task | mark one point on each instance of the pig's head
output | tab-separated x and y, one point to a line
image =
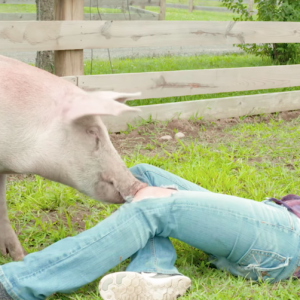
52	128
77	149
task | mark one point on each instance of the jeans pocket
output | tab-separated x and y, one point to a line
265	264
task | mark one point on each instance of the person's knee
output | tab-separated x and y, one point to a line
139	170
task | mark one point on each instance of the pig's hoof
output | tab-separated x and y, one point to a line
16	251
9	244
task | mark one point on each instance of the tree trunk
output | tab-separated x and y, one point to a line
45	12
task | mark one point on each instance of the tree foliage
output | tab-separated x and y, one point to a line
269	10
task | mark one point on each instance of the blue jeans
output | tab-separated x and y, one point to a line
247	238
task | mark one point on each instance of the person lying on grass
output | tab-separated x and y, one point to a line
256	240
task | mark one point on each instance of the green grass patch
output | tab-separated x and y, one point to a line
17	8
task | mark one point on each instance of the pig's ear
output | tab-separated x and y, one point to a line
99	103
120	97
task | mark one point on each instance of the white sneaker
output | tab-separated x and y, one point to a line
143	286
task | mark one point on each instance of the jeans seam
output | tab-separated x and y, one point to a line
234	214
153	253
63	259
8	287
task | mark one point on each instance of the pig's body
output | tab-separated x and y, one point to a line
52	128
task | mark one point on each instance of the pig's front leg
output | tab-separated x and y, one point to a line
9	243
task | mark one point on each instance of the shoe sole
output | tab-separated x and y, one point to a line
133	286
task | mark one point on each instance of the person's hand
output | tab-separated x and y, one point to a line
153	192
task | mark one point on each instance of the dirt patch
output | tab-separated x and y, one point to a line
147	137
255	160
290	115
19	177
75	215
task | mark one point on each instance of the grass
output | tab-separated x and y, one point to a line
252	160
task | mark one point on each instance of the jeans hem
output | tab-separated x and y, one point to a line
7	286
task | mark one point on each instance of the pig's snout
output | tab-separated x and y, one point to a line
106	192
126	187
137	185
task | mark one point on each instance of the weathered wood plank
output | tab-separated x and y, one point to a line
162	11
95	3
195	82
140	10
197	7
122	16
120	3
250	7
72	79
64	35
107	3
191	5
210	109
203	8
87	17
17	2
17	17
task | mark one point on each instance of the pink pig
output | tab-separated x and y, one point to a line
52	128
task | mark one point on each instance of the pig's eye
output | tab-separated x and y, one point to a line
95	133
92	131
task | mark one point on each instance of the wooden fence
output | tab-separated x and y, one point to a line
146	15
128	11
68	35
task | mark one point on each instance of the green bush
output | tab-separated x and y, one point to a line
270	10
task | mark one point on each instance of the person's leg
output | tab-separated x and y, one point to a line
253	237
75	261
152	268
158	256
245	237
60	258
155	176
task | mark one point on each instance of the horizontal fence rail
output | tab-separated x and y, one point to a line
69	35
210	109
87	17
179	83
97	3
101	2
194	82
203	8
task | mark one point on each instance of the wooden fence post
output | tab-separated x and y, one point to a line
69	62
162	12
250	7
191	5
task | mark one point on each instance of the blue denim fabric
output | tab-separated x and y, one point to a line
247	238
